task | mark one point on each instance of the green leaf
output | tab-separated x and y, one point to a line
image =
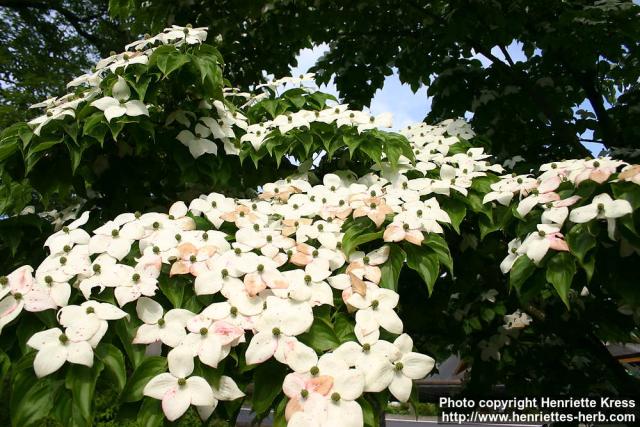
560	271
31	398
126	330
267	380
437	243
279	419
150	413
168	59
321	336
520	272
42	146
358	233
456	210
149	368
113	360
581	241
343	327
372	148
173	289
81	380
352	142
7	150
425	262
392	267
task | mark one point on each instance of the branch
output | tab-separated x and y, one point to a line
610	133
505	52
73	19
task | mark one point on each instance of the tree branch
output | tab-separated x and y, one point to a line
73	19
610	133
505	52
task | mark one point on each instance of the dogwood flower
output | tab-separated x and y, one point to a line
409	366
602	207
170	328
178	389
19	291
69	236
375	310
55	348
277	327
197	142
537	244
91	317
208	337
118	105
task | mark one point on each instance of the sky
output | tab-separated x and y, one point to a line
409	107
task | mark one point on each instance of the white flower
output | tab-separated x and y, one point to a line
115	241
55	113
409	366
507	263
55	347
177	389
517	320
375	310
19	291
168	329
91	318
373	360
197	143
118	105
602	207
277	327
211	340
69	236
537	244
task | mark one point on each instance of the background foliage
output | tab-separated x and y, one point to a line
577	55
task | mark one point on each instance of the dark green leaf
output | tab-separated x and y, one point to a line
149	368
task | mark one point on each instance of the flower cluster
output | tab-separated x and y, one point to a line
555	192
271	267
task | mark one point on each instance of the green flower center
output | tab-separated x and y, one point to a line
335	396
276	331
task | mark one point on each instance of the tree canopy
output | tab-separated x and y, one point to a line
578	71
